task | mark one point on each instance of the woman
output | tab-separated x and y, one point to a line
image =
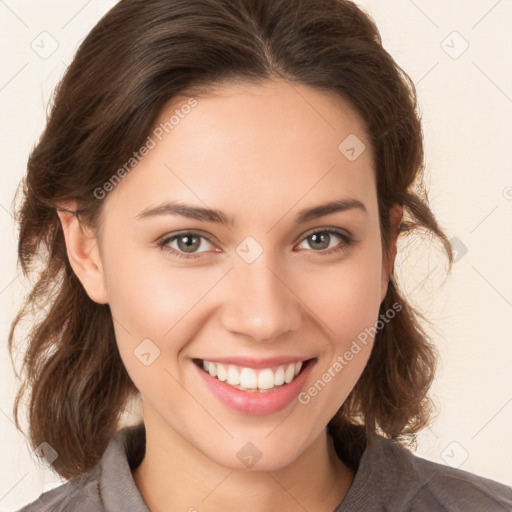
196	154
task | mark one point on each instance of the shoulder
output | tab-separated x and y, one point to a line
80	494
454	489
107	486
404	482
421	484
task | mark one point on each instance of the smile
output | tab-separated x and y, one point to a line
251	379
265	388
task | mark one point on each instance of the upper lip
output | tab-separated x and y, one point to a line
253	362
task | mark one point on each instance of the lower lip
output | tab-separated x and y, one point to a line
254	402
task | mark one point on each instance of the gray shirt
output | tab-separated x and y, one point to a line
388	478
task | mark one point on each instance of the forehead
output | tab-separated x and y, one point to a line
255	147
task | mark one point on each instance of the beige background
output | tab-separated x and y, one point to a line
466	101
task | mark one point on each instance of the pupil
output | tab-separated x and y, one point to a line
322	240
188	243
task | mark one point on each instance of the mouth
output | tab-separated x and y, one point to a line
255	380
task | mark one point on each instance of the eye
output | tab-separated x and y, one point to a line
189	244
185	244
327	241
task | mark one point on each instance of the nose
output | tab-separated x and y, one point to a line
260	303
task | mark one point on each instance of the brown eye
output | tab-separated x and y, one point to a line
319	240
325	240
188	243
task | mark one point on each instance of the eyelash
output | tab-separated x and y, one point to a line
163	242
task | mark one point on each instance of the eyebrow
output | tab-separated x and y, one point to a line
216	216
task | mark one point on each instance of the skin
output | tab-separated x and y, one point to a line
259	153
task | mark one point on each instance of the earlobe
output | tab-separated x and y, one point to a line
83	253
395	220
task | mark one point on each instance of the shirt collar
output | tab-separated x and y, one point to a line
382	465
117	486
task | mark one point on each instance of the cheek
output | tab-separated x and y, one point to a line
155	311
346	297
149	298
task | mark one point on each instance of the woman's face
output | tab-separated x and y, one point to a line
252	271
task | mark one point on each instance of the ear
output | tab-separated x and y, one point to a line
83	253
395	219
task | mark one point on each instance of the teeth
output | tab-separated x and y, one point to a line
289	373
233	376
279	376
266	379
212	369
250	379
222	374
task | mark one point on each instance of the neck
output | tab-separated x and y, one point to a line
174	475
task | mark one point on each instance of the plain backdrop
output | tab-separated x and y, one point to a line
459	55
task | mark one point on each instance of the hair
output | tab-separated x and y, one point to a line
141	55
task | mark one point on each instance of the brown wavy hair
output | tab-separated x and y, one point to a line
139	56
